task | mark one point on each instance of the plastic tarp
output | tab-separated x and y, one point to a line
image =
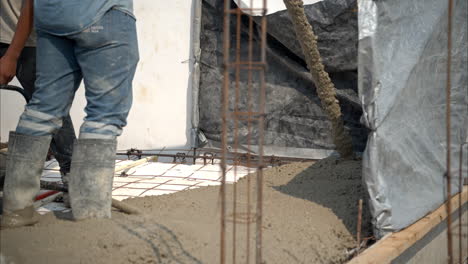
295	124
402	80
273	6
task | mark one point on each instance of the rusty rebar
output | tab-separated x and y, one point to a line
194	155
461	169
236	132
460	240
225	100
249	125
359	226
259	257
460	214
237	115
448	126
243	159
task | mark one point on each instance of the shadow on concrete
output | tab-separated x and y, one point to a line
336	185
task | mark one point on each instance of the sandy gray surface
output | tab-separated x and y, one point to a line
309	215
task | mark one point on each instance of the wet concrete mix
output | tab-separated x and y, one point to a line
309	216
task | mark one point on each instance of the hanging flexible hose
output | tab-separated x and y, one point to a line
16	89
325	87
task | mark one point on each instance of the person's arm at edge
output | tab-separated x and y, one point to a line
23	30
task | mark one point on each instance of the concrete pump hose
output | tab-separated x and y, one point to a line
321	79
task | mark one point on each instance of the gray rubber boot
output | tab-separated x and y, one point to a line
91	176
26	157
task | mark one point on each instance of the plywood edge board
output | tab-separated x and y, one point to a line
393	245
135	163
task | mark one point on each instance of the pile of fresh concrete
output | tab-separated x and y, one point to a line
310	213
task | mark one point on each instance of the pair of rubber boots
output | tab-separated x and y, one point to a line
90	185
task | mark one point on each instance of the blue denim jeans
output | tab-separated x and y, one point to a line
105	56
62	142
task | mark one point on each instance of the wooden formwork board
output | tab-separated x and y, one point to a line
393	245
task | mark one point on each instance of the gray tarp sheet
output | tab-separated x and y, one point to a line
295	122
402	75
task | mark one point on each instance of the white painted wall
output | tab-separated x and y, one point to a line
160	116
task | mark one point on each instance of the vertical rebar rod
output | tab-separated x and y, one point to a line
225	105
460	204
236	134
240	114
194	155
461	169
460	230
259	256
359	226
448	126
249	129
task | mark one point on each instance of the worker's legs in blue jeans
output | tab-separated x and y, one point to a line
62	141
105	57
